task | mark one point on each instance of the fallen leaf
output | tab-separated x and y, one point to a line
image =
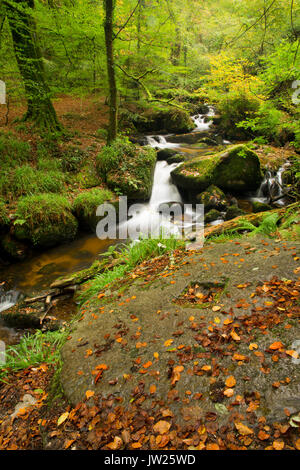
243	429
161	427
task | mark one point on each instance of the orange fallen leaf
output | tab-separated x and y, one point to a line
230	381
89	394
278	445
292	353
116	444
168	342
152	389
243	429
235	336
161	427
276	345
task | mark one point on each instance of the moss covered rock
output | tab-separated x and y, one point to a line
236	169
260	207
128	169
45	220
12	248
212	198
233	212
85	206
173	120
212	215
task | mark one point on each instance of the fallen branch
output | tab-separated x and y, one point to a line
234	224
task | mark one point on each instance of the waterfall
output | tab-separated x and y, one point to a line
160	142
271	186
201	121
8	299
148	216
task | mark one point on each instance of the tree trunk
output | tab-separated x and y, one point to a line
40	109
109	7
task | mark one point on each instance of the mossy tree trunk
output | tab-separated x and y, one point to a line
109	8
40	109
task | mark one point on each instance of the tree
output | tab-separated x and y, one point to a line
40	109
109	8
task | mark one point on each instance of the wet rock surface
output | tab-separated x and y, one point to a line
209	316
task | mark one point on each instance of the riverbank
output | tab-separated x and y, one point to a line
220	372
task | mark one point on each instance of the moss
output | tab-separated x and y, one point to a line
13	151
25	180
45	220
234	211
236	169
12	248
212	215
127	168
172	120
260	207
4	220
85	206
195	175
212	198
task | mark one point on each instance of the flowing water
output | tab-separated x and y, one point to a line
271	187
34	275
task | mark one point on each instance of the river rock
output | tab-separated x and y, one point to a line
237	169
174	120
212	215
260	207
212	198
233	212
131	174
165	154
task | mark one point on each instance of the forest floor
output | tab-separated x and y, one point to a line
209	364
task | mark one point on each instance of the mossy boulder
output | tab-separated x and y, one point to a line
212	215
260	207
128	169
233	212
237	169
174	120
85	206
165	154
212	198
45	220
12	248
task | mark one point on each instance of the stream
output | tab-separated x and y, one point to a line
34	275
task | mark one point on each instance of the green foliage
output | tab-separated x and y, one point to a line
269	122
34	350
267	226
112	155
73	159
25	180
131	255
86	203
42	209
234	108
127	168
13	151
4	220
45	220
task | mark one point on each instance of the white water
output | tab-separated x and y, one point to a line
202	124
8	299
271	186
159	141
146	217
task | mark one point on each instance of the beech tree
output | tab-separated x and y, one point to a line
28	55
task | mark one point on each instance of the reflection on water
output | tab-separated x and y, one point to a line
33	275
